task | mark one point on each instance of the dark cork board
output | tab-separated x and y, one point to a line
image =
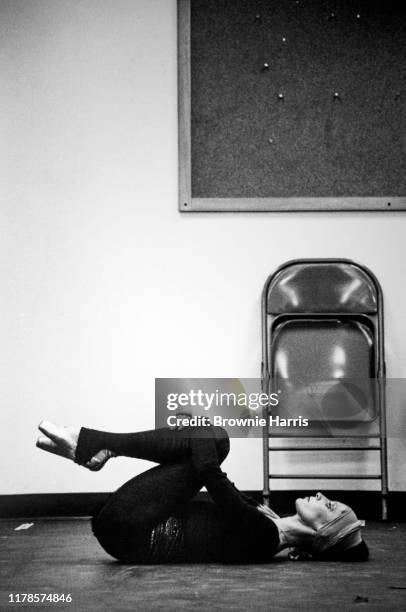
297	99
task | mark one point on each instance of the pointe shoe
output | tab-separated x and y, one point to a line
46	444
99	460
62	441
58	440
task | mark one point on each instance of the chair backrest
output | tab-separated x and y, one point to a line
322	286
323	323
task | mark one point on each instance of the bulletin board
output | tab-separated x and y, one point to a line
292	105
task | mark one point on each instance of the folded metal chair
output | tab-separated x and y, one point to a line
323	353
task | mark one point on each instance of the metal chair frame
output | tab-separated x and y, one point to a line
379	374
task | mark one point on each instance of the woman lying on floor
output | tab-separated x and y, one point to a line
152	518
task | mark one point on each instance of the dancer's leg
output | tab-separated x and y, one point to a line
126	522
93	448
159	445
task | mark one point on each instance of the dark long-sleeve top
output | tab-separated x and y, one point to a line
250	536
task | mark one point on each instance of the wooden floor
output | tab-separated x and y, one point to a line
61	556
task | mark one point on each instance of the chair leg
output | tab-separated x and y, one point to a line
384	507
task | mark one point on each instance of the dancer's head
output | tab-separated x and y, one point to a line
335	531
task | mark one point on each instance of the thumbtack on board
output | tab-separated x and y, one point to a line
265	66
281	96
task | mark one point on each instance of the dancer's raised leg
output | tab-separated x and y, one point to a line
85	445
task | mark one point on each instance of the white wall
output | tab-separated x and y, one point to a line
104	285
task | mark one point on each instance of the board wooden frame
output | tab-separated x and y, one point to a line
188	203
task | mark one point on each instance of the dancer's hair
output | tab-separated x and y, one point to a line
360	552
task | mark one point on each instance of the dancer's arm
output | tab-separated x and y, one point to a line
220	488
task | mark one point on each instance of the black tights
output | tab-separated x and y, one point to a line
125	524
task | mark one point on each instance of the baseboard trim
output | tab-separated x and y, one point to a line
50	504
367	504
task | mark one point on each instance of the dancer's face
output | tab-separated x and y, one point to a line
318	510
